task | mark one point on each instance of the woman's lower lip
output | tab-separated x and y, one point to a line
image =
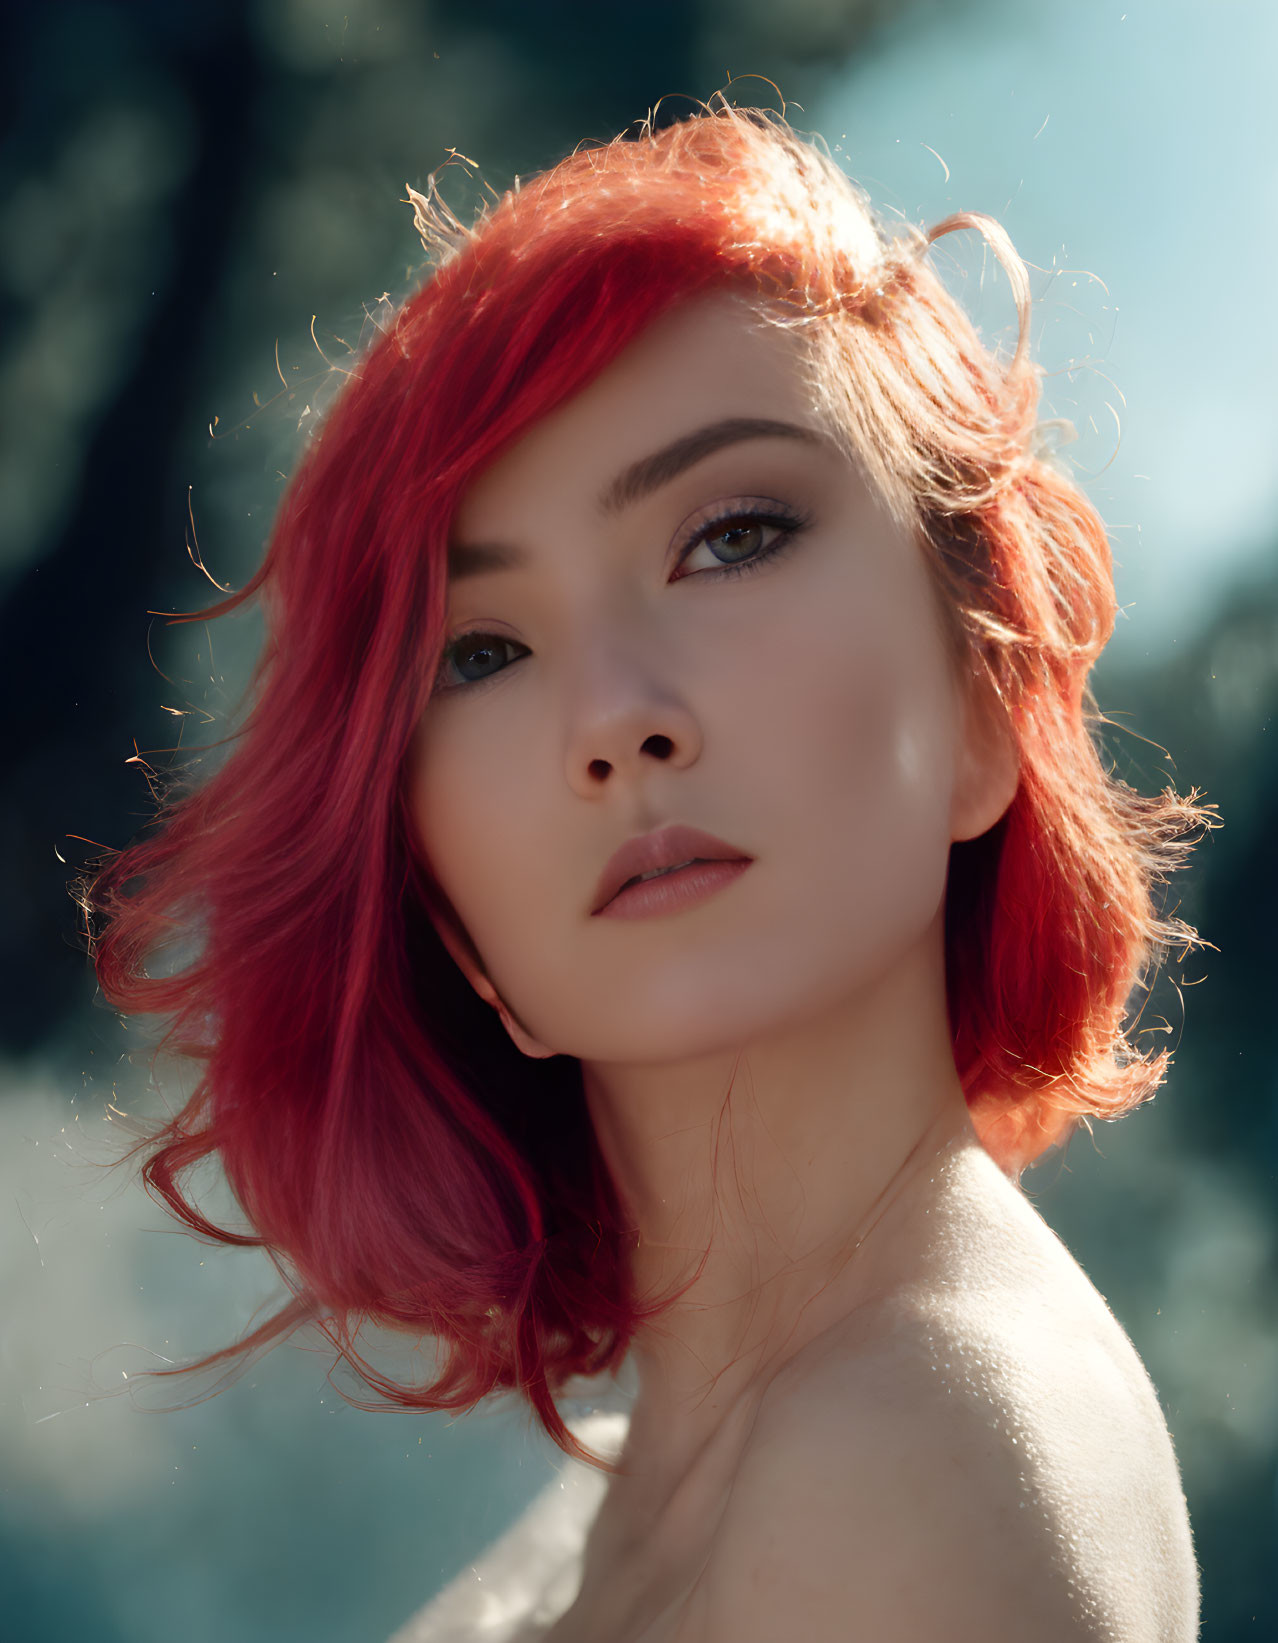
672	892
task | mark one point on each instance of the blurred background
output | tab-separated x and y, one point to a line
200	207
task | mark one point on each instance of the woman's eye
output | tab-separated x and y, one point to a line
474	656
740	542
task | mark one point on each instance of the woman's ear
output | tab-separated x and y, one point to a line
467	960
988	769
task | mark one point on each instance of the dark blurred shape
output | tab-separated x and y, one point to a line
1214	710
73	659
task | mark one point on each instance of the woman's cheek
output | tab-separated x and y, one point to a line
479	809
871	759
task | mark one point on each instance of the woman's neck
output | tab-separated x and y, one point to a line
789	1172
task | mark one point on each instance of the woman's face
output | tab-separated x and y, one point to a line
608	673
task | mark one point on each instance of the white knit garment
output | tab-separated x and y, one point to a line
526	1579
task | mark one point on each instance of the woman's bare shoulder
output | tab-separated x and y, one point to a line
996	1405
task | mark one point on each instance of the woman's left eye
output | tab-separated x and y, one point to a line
474	657
738	542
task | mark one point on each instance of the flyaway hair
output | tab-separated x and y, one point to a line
397	1158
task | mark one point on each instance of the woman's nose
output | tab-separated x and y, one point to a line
625	712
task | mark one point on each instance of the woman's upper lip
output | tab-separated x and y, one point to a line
667	847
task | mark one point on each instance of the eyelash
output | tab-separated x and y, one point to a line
789	523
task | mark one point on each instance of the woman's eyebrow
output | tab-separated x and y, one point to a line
640	479
651	472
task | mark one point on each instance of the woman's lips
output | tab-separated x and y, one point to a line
686	849
672	892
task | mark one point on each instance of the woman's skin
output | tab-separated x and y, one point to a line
813	715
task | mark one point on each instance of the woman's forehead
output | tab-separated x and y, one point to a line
711	358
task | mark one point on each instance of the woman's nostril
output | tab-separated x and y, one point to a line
660	746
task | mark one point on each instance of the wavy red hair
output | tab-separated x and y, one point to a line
397	1158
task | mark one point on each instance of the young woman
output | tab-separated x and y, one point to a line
665	889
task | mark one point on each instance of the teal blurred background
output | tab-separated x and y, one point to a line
182	188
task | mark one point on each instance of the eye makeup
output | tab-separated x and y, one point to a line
763	528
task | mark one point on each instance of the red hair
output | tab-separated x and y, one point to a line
395	1155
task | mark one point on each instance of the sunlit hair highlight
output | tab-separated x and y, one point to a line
395	1156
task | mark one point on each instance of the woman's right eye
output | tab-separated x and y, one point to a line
475	656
